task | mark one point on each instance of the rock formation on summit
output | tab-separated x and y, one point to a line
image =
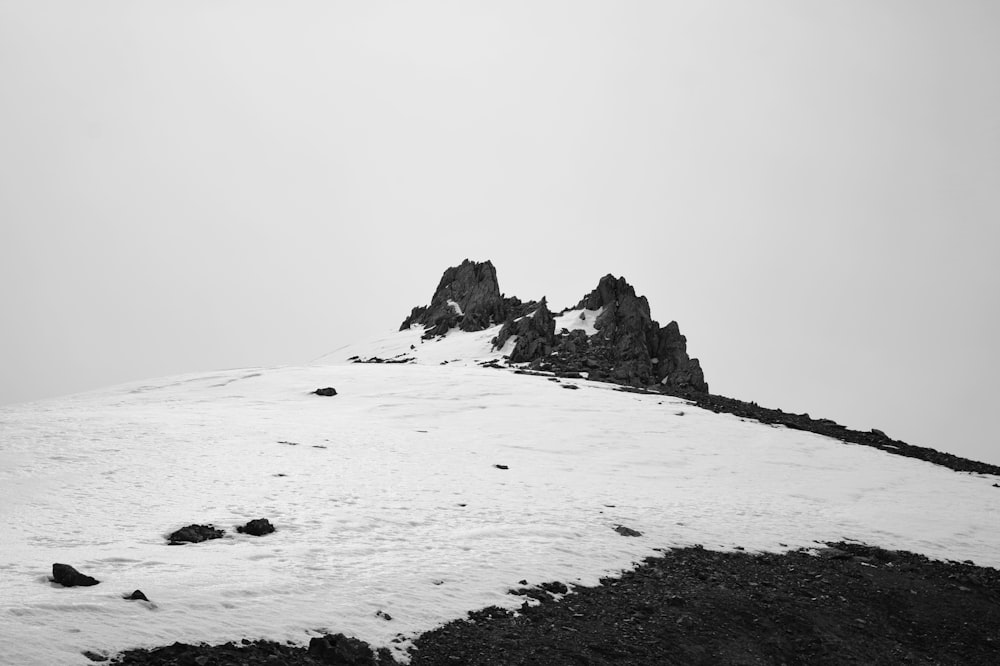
629	347
634	342
535	334
468	296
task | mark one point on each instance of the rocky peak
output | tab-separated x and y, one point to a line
468	296
632	343
623	311
629	347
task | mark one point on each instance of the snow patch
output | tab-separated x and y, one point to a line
404	511
578	320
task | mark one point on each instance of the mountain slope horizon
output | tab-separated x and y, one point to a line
607	336
437	476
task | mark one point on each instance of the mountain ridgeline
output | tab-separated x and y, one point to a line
628	346
624	346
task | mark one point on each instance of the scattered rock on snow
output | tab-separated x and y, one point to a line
501	466
67	576
195	534
135	596
94	656
257	527
328	391
625	531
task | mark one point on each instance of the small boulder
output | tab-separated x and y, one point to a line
67	576
135	596
501	466
195	534
626	531
258	527
328	391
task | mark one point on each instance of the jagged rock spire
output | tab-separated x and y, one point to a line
641	351
535	334
468	296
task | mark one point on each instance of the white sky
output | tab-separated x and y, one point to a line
811	189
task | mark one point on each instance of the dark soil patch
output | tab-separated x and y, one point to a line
850	604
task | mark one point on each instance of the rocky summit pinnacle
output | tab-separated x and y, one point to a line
468	296
639	348
626	346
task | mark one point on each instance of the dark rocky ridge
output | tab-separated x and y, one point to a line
629	346
874	438
640	351
622	352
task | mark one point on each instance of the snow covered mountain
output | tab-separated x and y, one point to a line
432	482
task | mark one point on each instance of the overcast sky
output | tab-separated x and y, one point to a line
811	189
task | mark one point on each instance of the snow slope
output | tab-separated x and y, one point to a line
386	498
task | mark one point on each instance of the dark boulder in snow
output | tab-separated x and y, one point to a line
328	391
627	531
136	596
67	576
257	527
195	534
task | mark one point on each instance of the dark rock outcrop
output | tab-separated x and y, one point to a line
536	334
329	391
468	296
675	368
67	576
629	347
341	650
632	342
195	534
257	527
136	596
